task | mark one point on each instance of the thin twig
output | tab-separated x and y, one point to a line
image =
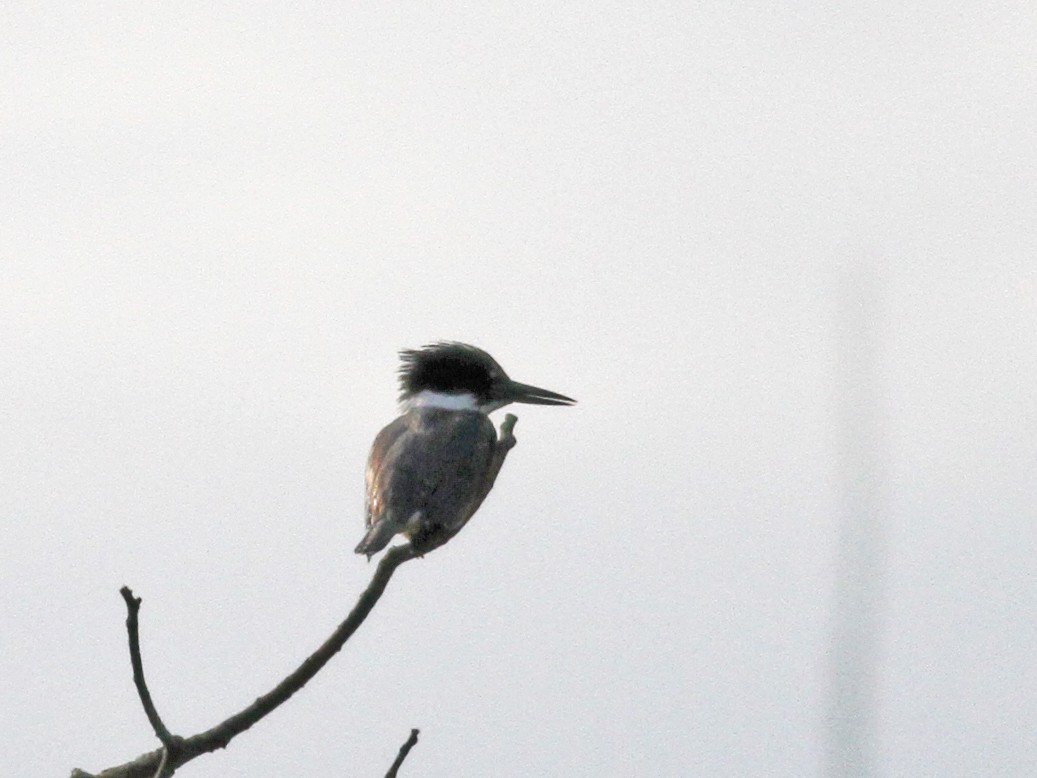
404	750
132	630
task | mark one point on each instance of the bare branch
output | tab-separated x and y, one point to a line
220	735
184	750
132	631
505	444
404	750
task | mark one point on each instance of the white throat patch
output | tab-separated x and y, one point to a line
463	401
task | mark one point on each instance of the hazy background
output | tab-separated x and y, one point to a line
219	223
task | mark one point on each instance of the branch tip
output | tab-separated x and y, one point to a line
133	634
404	750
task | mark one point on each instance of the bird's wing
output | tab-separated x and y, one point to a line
379	470
437	470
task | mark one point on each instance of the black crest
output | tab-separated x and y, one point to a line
448	367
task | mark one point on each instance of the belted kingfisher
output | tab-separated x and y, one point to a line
431	468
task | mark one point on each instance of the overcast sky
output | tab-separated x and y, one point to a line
219	223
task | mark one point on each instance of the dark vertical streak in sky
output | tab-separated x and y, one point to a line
850	738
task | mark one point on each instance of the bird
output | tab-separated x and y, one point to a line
430	469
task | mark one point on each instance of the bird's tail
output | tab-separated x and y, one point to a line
377	538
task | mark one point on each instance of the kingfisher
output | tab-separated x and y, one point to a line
430	469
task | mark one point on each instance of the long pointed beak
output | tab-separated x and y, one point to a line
534	395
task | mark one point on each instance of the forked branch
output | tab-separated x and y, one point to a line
179	751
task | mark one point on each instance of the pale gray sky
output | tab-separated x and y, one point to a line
218	223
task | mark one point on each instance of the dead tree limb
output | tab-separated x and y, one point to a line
179	751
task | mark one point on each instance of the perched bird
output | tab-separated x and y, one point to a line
431	468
